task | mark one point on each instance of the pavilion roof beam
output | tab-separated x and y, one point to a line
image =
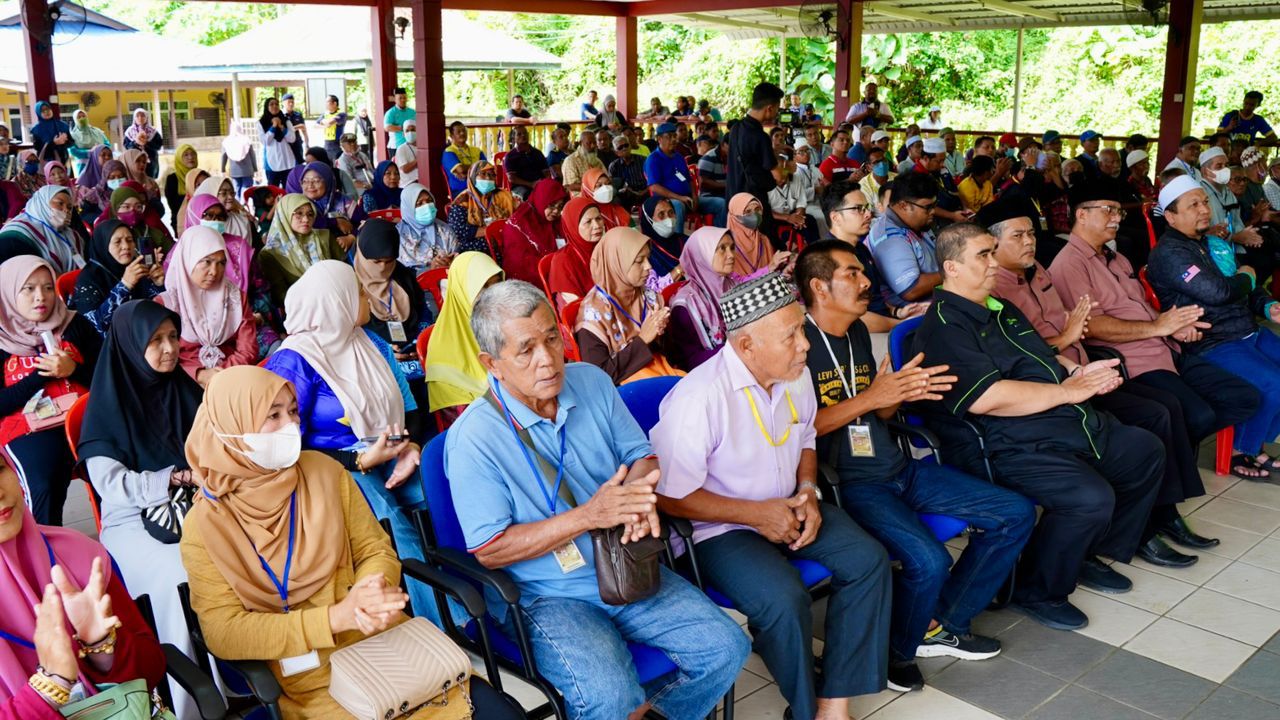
733	22
1019	9
880	8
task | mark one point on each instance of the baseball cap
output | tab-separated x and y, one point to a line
664	128
1089	135
1009	139
1050	136
287	96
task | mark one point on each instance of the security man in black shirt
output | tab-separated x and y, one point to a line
1095	477
751	155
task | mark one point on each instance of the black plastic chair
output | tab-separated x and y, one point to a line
184	671
251	678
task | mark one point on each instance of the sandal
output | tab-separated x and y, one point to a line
1241	460
1271	465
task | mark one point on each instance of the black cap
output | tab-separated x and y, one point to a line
1090	191
399	91
1000	210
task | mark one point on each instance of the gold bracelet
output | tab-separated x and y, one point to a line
105	646
360	462
49	690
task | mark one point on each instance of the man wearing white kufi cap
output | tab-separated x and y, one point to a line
1182	272
932	162
1229	237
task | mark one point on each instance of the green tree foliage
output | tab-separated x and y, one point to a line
206	23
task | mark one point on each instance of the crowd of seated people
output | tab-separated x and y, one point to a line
1093	323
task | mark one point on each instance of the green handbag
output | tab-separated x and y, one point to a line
125	701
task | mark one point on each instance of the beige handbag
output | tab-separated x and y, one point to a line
399	671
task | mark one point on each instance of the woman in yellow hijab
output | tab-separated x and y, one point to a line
176	189
294	244
454	374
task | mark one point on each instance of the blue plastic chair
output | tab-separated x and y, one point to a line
447	548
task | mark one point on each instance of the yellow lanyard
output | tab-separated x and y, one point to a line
760	423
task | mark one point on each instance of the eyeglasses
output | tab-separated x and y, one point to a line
926	208
1116	211
864	209
312	182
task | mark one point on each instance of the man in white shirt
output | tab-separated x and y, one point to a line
869	110
407	154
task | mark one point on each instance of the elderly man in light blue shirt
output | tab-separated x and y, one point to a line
528	510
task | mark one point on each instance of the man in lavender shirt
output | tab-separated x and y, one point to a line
735	443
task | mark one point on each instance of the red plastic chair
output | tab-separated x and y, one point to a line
391	214
430	281
544	273
1225	440
493	237
670	291
569	318
700	219
66	284
75	418
423	340
500	165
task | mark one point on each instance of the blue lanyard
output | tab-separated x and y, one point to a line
644	307
65	241
553	496
14	638
283	587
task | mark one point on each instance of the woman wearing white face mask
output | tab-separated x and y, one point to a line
354	401
42	228
598	187
407	154
426	241
666	242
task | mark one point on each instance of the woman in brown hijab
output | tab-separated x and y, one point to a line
334	576
621	321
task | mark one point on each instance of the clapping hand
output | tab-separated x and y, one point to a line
89	609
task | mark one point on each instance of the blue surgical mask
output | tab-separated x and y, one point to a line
30	168
425	214
114	184
219	226
485	186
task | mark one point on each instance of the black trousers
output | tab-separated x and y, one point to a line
1161	414
1211	397
1091	505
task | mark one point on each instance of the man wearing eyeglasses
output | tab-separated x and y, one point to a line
903	243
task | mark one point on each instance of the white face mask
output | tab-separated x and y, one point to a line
410	136
271	451
603	194
59	218
664	228
1222	176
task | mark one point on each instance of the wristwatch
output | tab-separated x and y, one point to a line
817	491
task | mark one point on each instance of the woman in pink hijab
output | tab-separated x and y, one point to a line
218	328
59	596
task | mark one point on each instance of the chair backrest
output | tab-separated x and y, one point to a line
643	397
444	519
430	281
544	274
423	340
500	165
75	418
66	284
569	313
1147	289
670	291
900	337
391	214
493	236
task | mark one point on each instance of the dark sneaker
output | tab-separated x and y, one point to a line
905	677
1096	575
945	643
1056	614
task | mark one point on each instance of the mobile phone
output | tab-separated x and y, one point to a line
391	439
50	345
148	259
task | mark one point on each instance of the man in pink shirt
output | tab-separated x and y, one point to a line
1043	299
735	443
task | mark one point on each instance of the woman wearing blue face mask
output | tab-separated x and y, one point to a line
426	242
29	177
480	204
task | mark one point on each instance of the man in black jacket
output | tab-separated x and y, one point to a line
751	155
1182	271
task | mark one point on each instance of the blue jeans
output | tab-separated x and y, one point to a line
242	184
928	587
715	206
756	575
580	647
1256	359
396	504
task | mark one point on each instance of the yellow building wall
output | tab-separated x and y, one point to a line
103	115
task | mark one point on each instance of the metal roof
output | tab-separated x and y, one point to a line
312	47
917	16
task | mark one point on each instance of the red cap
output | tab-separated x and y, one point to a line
1009	139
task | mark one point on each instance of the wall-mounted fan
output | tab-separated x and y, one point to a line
64	22
90	99
819	21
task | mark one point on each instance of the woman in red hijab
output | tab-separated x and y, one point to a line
530	233
584	225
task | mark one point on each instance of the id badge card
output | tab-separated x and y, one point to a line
78	260
680	176
396	329
299	664
860	445
569	557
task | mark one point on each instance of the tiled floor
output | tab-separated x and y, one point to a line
1201	643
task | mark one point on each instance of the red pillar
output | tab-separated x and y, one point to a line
428	78
628	46
1179	75
848	57
41	83
382	74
